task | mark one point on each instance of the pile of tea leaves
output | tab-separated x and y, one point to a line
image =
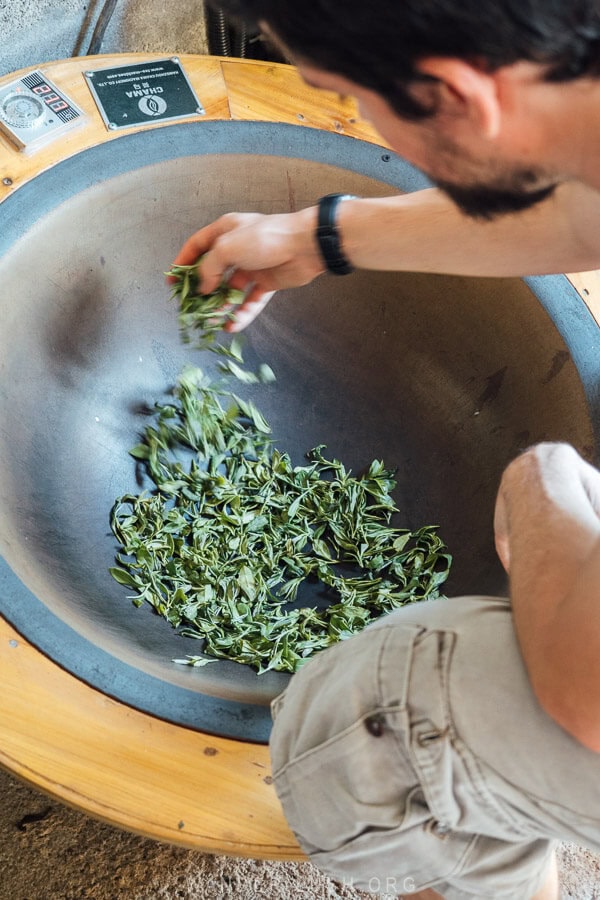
232	529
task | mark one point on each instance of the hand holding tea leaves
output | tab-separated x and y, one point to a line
204	313
222	546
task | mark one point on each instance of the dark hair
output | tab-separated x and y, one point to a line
376	43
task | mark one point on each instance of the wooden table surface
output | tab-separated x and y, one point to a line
113	762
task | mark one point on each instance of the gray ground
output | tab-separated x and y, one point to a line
38	31
51	852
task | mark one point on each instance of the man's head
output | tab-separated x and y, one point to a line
418	55
379	43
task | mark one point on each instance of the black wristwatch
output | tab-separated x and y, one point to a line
328	236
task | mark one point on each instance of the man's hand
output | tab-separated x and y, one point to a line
547	528
256	254
419	232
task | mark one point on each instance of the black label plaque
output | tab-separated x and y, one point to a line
143	93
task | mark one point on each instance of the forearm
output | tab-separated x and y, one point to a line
420	232
425	232
555	588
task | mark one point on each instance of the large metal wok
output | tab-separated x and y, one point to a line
444	378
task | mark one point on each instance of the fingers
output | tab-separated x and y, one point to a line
201	241
256	254
193	248
205	243
190	252
217	259
254	304
213	271
183	258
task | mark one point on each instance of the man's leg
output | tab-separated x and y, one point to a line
343	718
551	887
549	891
423	895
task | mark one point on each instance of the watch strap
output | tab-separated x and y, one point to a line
328	236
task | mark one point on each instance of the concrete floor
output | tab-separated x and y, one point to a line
49	852
45	30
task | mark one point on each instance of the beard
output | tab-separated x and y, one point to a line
482	202
511	192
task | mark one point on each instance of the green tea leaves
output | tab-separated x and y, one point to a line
227	539
202	313
233	531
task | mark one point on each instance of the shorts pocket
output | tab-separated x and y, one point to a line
413	855
346	773
358	780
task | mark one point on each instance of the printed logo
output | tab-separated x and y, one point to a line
152	106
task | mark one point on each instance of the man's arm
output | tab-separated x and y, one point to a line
420	232
548	537
426	232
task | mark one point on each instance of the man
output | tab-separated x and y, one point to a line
422	753
449	745
498	102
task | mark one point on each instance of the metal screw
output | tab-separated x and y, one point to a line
112	126
385	157
89	74
7	181
175	59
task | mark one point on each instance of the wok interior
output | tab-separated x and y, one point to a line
443	378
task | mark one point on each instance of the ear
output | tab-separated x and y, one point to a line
465	90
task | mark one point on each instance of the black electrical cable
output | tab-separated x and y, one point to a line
101	26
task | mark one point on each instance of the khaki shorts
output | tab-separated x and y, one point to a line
375	781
